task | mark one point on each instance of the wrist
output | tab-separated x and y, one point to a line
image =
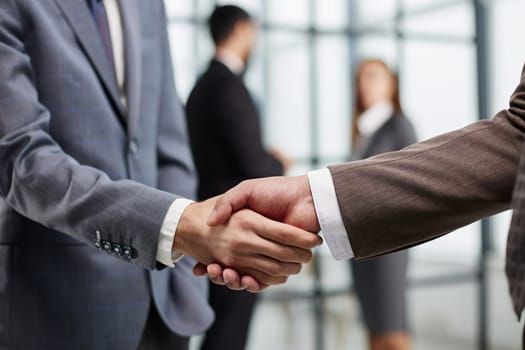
165	253
308	200
184	230
192	233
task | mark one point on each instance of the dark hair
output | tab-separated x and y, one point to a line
223	20
359	107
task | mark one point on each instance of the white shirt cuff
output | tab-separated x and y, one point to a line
165	254
329	214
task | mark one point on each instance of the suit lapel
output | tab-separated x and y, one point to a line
79	18
133	55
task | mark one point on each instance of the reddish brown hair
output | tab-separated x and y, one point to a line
359	107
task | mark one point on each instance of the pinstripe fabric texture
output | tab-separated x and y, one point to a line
515	258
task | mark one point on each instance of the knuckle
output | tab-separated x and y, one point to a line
282	235
272	269
235	243
292	255
245	185
286	255
220	201
296	255
278	252
242	219
238	243
265	279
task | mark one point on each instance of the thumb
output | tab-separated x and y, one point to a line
221	213
235	199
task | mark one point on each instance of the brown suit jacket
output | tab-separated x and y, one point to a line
401	199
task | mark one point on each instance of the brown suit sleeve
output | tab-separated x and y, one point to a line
400	199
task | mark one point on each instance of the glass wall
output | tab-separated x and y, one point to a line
295	76
301	73
301	76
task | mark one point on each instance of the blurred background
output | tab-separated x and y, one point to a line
458	61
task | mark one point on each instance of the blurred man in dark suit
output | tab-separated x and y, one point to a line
226	140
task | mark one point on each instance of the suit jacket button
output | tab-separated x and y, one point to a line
117	249
127	252
106	246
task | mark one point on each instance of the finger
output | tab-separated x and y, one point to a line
265	279
235	282
275	238
217	280
256	244
200	270
264	286
274	267
265	270
215	274
232	279
283	253
287	234
235	199
251	284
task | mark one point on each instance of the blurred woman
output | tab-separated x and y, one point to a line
379	126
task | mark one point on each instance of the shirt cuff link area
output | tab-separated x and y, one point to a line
329	214
165	254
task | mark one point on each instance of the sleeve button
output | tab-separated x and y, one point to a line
117	249
127	252
106	246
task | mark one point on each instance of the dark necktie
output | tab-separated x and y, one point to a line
98	10
515	259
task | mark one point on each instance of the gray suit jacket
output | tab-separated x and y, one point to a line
74	162
433	187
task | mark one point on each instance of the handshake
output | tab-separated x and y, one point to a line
253	236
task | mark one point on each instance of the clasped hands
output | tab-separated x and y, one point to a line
253	236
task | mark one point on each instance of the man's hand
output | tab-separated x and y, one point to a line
284	199
245	241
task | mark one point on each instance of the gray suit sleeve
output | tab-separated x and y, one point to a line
404	198
43	183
